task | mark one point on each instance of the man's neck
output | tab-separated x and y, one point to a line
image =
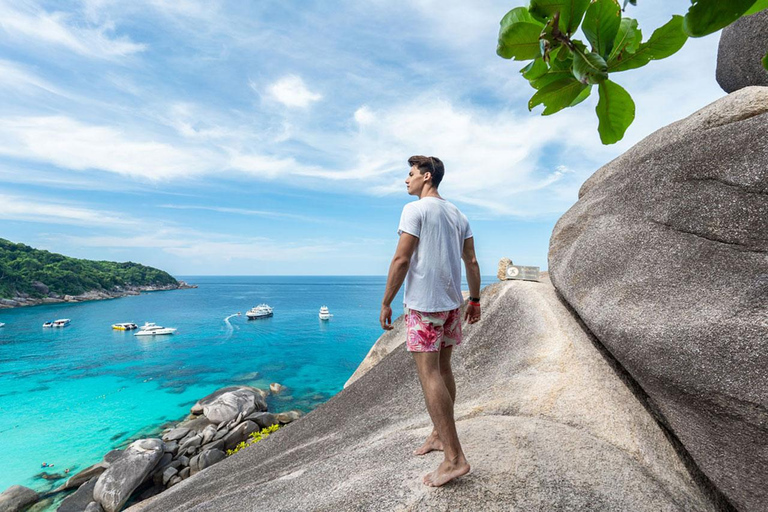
429	192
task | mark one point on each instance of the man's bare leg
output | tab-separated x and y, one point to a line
433	442
440	407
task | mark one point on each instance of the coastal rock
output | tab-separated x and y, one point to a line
83	476
116	484
288	416
208	433
17	498
79	500
172	447
388	342
210	457
168	473
40	288
184	473
546	418
235	400
276	388
9	302
195	423
94	507
664	257
175	434
262	419
112	456
193	441
743	45
239	434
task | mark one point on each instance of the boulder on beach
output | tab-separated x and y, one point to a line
83	476
665	259
547	422
17	498
743	45
115	485
79	500
226	404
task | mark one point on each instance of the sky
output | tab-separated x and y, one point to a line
271	137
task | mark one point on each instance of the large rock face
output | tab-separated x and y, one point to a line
665	258
115	485
544	418
226	404
742	48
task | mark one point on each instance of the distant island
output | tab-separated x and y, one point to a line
30	276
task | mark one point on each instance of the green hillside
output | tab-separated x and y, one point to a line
21	266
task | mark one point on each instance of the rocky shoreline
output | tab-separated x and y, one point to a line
53	298
217	424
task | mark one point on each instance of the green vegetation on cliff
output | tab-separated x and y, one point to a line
22	267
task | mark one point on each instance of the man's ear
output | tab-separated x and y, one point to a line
427	176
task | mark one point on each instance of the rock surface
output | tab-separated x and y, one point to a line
17	498
665	258
383	346
115	485
546	423
79	500
227	403
742	48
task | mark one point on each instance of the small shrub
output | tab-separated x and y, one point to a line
255	437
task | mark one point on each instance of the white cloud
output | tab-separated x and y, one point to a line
71	144
364	115
17	77
56	28
292	92
30	209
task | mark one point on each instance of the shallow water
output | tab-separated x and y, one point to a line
67	396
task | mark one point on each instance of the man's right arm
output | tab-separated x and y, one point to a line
472	313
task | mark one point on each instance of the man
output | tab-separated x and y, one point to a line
434	238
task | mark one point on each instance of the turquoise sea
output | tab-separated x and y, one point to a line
67	396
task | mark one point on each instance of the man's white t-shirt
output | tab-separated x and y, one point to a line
433	282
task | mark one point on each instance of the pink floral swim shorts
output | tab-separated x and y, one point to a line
429	332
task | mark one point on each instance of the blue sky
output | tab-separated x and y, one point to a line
271	137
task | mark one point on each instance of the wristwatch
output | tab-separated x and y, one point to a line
474	299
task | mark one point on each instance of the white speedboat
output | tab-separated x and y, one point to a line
2	324
62	322
324	313
152	329
260	311
125	326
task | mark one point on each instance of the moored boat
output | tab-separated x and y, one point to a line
125	326
2	324
61	322
260	311
152	329
324	313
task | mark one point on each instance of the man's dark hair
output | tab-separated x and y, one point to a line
430	164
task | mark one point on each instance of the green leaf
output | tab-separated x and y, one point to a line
765	62
760	5
571	12
557	95
517	15
664	41
627	39
535	69
615	110
589	68
519	40
601	24
708	16
581	97
552	76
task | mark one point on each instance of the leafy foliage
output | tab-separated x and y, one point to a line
563	69
21	266
254	438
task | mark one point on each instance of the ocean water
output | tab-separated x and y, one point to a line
67	396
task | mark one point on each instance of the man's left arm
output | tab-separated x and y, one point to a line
397	272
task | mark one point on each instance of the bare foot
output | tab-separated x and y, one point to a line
446	472
433	443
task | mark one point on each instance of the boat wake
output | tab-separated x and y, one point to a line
230	327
